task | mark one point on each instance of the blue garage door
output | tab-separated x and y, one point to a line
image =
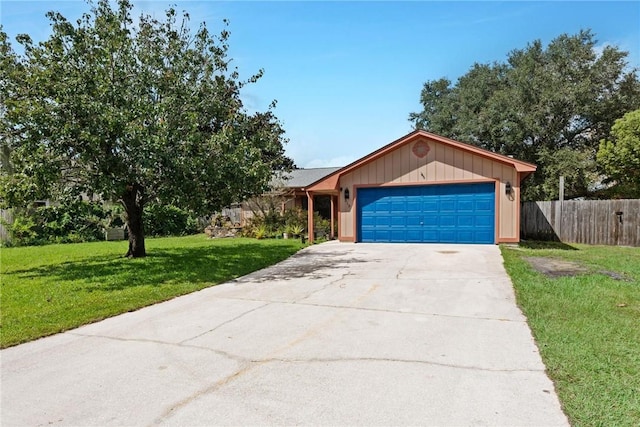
456	213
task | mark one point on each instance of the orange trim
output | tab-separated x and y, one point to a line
496	233
332	233
516	200
331	181
310	216
509	240
347	239
496	181
415	183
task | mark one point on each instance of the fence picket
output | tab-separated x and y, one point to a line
593	222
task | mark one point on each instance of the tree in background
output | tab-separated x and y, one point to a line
547	106
619	156
133	112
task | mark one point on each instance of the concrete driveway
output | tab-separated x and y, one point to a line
339	334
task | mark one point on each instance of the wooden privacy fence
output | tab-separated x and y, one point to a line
594	222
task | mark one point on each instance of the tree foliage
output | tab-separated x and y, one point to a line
550	106
619	156
134	112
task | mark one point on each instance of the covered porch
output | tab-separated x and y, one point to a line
325	203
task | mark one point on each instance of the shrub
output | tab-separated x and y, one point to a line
168	220
69	222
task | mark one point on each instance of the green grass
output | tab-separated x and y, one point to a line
587	328
49	289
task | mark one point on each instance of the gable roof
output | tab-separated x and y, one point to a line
301	178
331	180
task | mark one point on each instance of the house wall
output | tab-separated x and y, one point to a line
442	164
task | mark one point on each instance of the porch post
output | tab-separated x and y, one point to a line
333	218
310	216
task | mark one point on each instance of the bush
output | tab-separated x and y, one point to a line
71	221
168	220
293	222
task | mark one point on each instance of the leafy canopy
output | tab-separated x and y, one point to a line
619	156
132	112
104	103
550	106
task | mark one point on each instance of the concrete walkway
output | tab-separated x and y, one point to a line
340	334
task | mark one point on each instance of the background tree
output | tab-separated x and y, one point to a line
134	112
619	156
547	106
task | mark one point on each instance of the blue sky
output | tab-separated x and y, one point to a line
347	74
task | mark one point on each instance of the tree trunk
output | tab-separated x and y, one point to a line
133	201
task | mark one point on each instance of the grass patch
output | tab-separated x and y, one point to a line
587	328
49	289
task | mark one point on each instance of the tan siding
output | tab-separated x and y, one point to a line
380	170
477	166
431	165
345	208
372	173
468	166
414	166
438	155
458	161
388	168
422	169
406	168
442	163
397	166
508	208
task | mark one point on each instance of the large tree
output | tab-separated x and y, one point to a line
133	111
619	156
550	106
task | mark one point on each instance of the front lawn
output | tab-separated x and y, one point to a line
49	289
587	327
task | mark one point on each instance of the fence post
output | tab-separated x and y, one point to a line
561	199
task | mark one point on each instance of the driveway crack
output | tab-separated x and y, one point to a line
392	360
322	288
166	343
226	322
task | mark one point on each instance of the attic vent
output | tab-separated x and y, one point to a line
420	149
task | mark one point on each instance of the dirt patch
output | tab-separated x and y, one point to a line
552	267
447	252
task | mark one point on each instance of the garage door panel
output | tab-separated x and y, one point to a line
465	206
452	213
465	221
413	220
447	221
429	221
483	221
382	221
399	221
414	205
484	205
430	206
447	204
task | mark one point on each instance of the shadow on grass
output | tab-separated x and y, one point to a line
209	264
538	244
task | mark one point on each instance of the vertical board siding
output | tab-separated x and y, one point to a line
442	163
592	222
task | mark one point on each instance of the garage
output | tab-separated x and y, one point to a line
425	188
455	213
